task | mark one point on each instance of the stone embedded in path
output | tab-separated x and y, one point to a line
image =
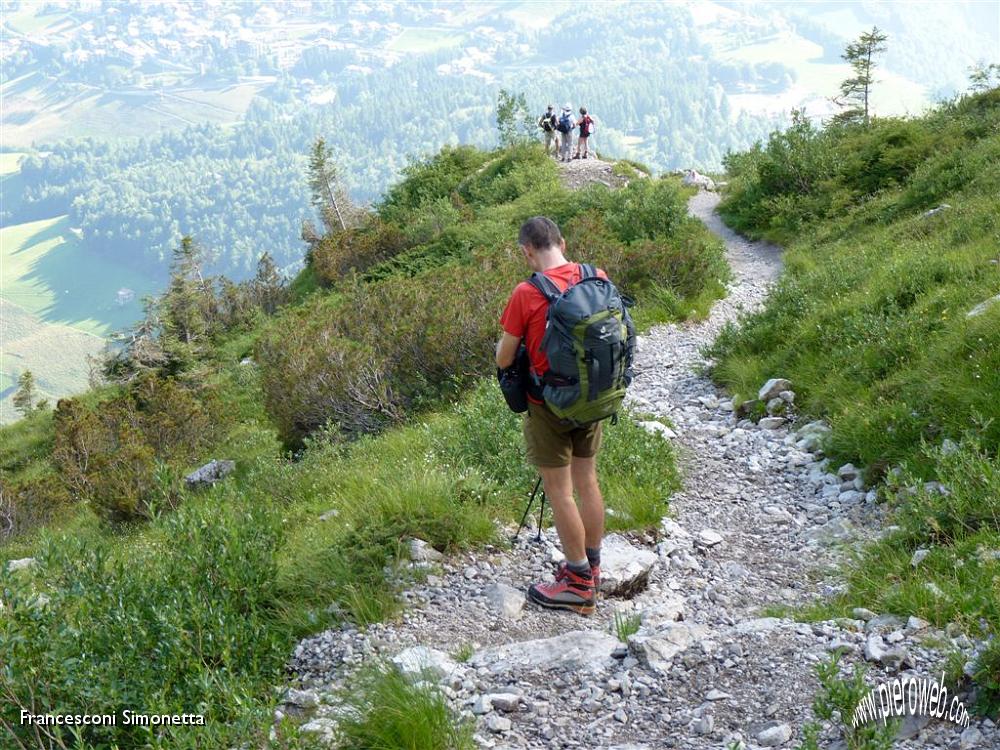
505	600
625	567
775	734
656	650
583	650
301	698
210	473
419	662
709	537
772	388
759	625
771	423
668	608
836	530
847	473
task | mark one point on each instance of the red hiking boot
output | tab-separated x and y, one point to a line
569	591
595	573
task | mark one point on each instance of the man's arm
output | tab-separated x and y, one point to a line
507	350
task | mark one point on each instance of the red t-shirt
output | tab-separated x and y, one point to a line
524	315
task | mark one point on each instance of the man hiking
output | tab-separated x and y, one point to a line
547	122
565	125
565	449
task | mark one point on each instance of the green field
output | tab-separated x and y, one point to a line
55	354
57	303
425	40
38	109
48	273
10	162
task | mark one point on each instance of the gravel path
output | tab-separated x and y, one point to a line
758	527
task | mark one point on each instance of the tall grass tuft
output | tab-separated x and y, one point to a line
387	712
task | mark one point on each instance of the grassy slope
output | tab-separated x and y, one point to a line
872	324
58	302
224	585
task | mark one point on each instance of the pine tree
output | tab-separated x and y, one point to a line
268	285
184	313
328	193
855	92
25	395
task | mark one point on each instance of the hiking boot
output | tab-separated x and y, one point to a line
595	573
569	591
576	156
584	156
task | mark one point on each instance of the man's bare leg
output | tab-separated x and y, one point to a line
584	475
558	484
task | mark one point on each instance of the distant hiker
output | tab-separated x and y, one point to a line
586	125
565	126
570	315
547	122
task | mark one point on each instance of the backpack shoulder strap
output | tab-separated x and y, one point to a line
587	271
545	285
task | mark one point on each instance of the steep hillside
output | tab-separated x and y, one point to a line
187	598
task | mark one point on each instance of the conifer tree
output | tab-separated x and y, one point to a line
855	92
328	193
25	395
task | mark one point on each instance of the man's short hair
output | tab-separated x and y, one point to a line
540	232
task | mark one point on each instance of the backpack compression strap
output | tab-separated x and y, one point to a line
548	288
545	285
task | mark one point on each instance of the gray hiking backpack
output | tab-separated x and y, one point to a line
590	343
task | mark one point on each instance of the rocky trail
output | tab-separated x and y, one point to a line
758	527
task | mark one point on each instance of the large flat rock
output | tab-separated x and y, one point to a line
625	567
577	650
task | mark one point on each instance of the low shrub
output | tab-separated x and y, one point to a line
356	249
123	454
181	626
418	326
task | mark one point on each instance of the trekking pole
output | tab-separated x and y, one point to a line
524	516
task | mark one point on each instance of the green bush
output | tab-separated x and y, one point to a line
419	325
122	455
356	249
181	626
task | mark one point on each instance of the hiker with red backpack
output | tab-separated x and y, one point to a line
573	327
586	125
564	126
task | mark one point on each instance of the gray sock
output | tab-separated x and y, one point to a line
594	556
580	567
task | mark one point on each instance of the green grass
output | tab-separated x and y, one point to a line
871	323
626	624
449	479
55	354
384	710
